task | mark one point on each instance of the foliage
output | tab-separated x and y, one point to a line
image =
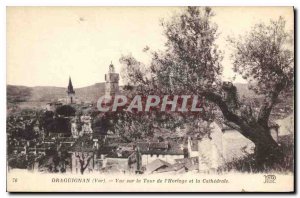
60	125
52	124
264	56
65	110
191	55
190	65
20	125
21	161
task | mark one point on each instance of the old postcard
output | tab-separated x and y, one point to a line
150	99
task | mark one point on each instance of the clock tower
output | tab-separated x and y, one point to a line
111	81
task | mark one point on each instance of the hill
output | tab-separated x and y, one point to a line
16	94
91	93
37	97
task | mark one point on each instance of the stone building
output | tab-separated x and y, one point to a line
111	81
224	145
81	126
165	151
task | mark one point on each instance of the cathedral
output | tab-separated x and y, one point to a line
111	86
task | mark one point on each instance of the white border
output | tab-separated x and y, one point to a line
148	3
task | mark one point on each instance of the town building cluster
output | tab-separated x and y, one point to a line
84	151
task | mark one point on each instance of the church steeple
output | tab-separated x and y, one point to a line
70	92
70	87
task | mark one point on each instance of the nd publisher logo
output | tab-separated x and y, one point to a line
270	178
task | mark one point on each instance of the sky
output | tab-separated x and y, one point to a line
46	45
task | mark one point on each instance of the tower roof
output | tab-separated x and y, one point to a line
70	87
111	68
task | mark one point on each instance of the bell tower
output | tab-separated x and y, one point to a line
71	93
111	81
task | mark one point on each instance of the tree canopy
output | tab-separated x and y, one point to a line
66	110
191	64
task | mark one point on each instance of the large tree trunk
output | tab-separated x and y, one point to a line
268	153
82	170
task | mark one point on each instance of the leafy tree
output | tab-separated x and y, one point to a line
84	160
52	124
191	65
46	120
20	125
61	125
66	110
265	58
21	161
28	133
102	123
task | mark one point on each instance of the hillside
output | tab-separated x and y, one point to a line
45	94
37	97
17	94
91	93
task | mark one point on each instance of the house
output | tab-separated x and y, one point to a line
182	166
101	153
74	130
165	151
224	144
117	162
157	165
232	144
208	149
134	157
85	126
173	169
192	146
52	106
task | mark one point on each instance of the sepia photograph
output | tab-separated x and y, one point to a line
150	99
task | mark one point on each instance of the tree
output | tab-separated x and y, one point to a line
61	125
265	58
84	160
66	110
52	124
191	65
46	121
